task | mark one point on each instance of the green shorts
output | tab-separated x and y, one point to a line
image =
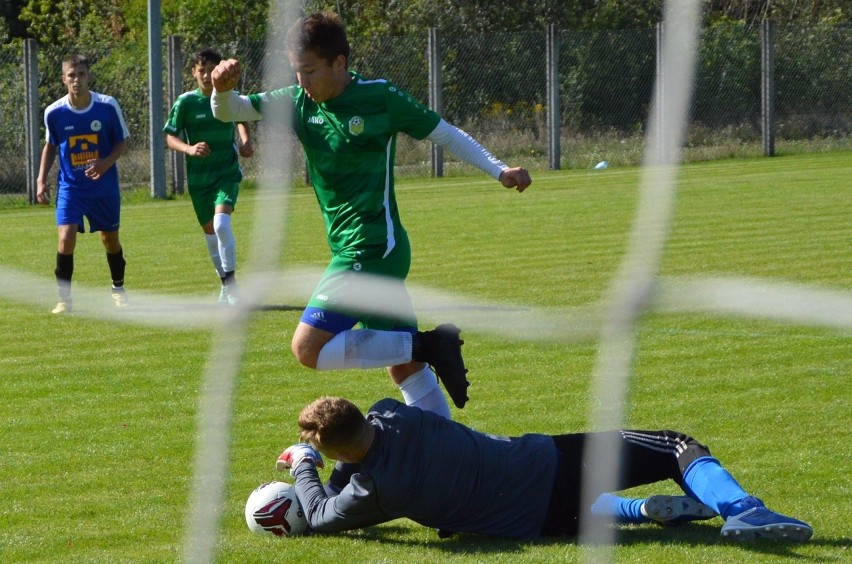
205	200
369	291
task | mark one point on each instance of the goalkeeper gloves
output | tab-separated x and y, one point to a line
295	455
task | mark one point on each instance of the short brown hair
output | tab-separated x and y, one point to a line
75	60
331	422
320	33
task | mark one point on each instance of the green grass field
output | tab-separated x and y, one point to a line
98	416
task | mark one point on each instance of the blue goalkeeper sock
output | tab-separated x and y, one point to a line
619	509
708	482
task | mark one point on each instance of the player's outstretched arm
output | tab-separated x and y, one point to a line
470	151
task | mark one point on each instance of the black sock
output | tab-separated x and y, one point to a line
64	271
116	267
229	278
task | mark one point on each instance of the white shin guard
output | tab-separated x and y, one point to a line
227	243
365	348
213	248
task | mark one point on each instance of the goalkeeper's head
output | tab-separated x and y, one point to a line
337	428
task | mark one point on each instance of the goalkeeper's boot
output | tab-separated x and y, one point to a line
672	510
756	521
119	296
441	348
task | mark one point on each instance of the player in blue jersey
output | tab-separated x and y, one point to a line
406	462
88	131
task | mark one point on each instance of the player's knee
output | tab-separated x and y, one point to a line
304	353
689	449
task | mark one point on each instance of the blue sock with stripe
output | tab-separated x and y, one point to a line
619	509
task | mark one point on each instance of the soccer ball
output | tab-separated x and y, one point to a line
274	509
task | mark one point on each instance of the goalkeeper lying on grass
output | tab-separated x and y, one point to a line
400	461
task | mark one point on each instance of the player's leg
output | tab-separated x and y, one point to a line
117	266
651	456
661	509
419	387
212	243
324	338
204	205
225	201
373	293
64	271
104	213
647	457
69	215
746	517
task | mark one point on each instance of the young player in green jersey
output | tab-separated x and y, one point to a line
347	127
212	166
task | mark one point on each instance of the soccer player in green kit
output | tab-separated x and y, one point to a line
347	127
213	168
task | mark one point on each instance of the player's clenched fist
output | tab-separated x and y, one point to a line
226	75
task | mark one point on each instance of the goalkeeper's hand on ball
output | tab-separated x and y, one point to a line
295	455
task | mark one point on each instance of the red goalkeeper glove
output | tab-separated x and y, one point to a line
296	454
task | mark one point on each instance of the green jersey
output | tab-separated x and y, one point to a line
350	144
192	119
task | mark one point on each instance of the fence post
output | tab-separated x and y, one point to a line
660	103
433	55
175	88
155	101
554	120
31	116
767	86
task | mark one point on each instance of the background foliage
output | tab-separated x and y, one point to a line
493	72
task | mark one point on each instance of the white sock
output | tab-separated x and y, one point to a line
365	348
421	390
213	248
227	244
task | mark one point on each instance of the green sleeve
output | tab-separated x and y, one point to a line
409	115
174	124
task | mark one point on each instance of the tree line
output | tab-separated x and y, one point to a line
95	22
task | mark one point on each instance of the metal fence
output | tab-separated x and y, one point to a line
495	86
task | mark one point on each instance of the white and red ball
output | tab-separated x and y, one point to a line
274	509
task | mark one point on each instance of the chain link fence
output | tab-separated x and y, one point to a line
494	87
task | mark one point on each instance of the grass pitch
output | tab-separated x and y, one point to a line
99	414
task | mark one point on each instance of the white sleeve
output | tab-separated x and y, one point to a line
466	148
230	106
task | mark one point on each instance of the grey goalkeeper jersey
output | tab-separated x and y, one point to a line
440	474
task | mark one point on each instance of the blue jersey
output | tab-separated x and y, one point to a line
83	135
440	474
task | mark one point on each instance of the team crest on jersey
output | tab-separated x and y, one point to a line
96	125
356	125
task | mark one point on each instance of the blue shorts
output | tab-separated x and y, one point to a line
102	210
